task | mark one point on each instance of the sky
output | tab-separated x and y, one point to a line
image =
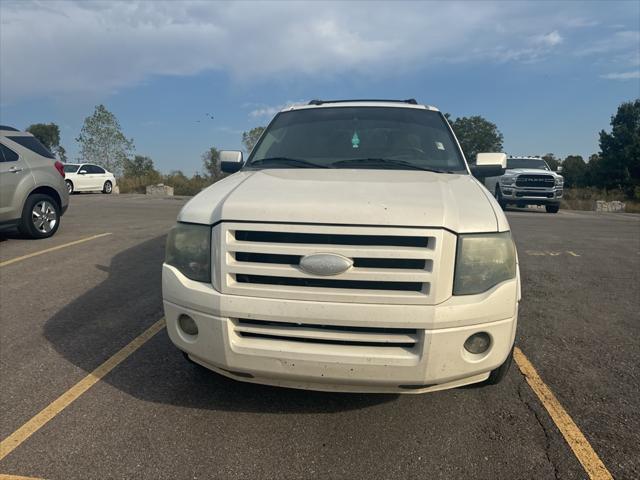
549	74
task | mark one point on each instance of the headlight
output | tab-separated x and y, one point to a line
189	250
482	261
559	181
507	180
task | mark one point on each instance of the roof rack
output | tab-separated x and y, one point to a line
8	128
411	101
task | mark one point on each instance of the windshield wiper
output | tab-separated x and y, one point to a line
286	161
386	162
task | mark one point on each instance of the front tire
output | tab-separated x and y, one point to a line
108	187
69	185
500	199
40	216
497	375
552	208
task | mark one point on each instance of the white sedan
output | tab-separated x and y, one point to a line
86	177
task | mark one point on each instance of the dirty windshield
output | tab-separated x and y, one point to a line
359	137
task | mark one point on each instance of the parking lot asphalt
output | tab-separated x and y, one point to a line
66	311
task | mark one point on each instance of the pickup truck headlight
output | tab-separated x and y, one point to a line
559	181
482	261
189	250
507	180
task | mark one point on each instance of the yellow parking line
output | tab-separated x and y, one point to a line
581	447
54	408
6	476
52	249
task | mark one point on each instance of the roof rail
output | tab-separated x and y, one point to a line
411	101
8	128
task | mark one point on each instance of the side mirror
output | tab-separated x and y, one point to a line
231	161
82	172
489	165
559	169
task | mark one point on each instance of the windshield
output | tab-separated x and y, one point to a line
535	163
359	137
71	168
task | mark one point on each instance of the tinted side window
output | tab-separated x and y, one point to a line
32	144
7	155
93	169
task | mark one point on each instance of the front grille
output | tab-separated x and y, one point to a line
327	334
390	265
540	181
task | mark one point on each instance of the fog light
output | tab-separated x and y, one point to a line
188	325
478	343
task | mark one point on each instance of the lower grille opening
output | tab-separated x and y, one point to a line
329	328
330	283
534	194
326	341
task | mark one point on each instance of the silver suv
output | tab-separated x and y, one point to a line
33	195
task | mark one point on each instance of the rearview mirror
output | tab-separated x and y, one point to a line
489	165
82	172
231	161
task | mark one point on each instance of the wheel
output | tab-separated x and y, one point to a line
500	199
108	188
552	208
496	376
40	216
69	184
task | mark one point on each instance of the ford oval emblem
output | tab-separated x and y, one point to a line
325	264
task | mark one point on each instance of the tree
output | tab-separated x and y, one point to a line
140	166
186	186
620	150
211	162
62	153
552	161
476	134
49	136
102	142
250	138
47	133
594	171
574	171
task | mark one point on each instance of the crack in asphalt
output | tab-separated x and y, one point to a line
547	435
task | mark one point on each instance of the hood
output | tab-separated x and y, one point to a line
528	171
349	197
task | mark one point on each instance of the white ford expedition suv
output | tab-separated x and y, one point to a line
352	251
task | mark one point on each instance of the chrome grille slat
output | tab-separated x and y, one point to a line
345	250
372	274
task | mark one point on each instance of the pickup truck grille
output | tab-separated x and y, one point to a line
540	181
390	265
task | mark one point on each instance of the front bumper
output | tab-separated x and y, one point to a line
437	361
531	195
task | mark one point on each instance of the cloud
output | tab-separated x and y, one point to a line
97	48
551	39
269	111
581	22
627	40
622	75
